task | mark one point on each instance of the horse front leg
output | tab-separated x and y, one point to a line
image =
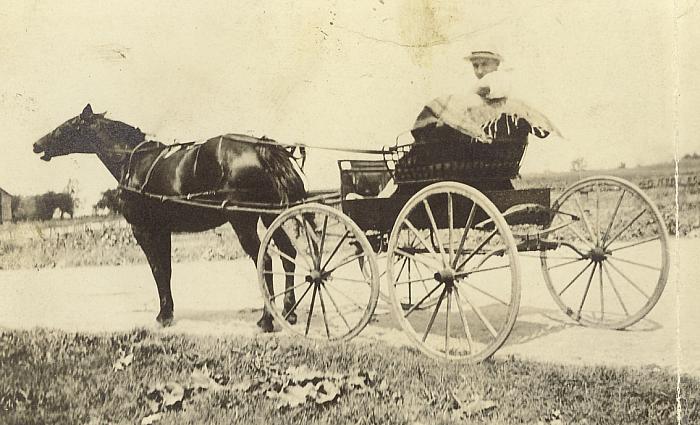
156	244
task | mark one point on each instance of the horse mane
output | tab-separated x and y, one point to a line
285	179
118	130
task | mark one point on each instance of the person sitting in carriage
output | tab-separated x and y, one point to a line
477	137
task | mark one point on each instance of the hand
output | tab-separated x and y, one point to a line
483	91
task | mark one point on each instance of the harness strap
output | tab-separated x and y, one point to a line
196	159
161	154
131	152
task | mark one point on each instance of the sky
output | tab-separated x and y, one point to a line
615	77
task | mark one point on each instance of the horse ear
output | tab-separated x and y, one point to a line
87	112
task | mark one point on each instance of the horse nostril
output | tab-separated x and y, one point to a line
37	148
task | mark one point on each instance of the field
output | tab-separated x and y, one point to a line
108	241
141	377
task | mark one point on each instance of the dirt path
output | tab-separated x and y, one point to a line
222	298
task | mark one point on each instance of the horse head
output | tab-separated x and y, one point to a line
77	135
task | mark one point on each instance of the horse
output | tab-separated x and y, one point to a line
230	170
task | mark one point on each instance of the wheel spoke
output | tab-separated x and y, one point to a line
450	226
465	324
312	246
420	238
284	273
286	291
575	278
628	280
288	258
481	317
403	265
617	293
359	307
415	306
404	282
579	235
565	264
524	254
436	231
470	220
577	198
602	303
335	305
476	250
624	260
323	239
335	250
435	312
323	310
311	310
493	297
296	304
447	321
627	226
585	292
629	245
347	279
476	270
344	262
416	259
612	219
597	213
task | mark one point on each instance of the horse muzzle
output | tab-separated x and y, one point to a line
39	147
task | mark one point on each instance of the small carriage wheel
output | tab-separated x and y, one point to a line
474	271
316	289
612	261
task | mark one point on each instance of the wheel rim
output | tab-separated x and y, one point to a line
613	262
333	299
474	274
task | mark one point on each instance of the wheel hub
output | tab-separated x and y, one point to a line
598	254
446	276
315	277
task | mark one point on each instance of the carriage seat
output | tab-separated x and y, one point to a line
453	156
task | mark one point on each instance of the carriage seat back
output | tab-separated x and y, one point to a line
460	159
362	177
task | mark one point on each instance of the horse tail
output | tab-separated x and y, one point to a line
284	175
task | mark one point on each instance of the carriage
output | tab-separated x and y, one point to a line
443	250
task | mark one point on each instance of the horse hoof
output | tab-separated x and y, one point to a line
291	319
164	320
266	325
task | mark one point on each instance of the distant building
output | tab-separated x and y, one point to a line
5	207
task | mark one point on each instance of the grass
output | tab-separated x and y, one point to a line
54	377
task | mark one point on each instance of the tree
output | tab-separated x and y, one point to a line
110	200
578	164
42	207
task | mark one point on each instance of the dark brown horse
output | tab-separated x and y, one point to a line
231	169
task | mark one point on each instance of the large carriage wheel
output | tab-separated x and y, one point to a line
612	262
325	295
473	269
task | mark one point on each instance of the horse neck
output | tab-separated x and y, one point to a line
116	141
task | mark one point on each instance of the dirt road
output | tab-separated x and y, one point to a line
222	298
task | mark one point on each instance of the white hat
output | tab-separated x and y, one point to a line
484	54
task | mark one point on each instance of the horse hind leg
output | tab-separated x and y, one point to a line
245	227
285	245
